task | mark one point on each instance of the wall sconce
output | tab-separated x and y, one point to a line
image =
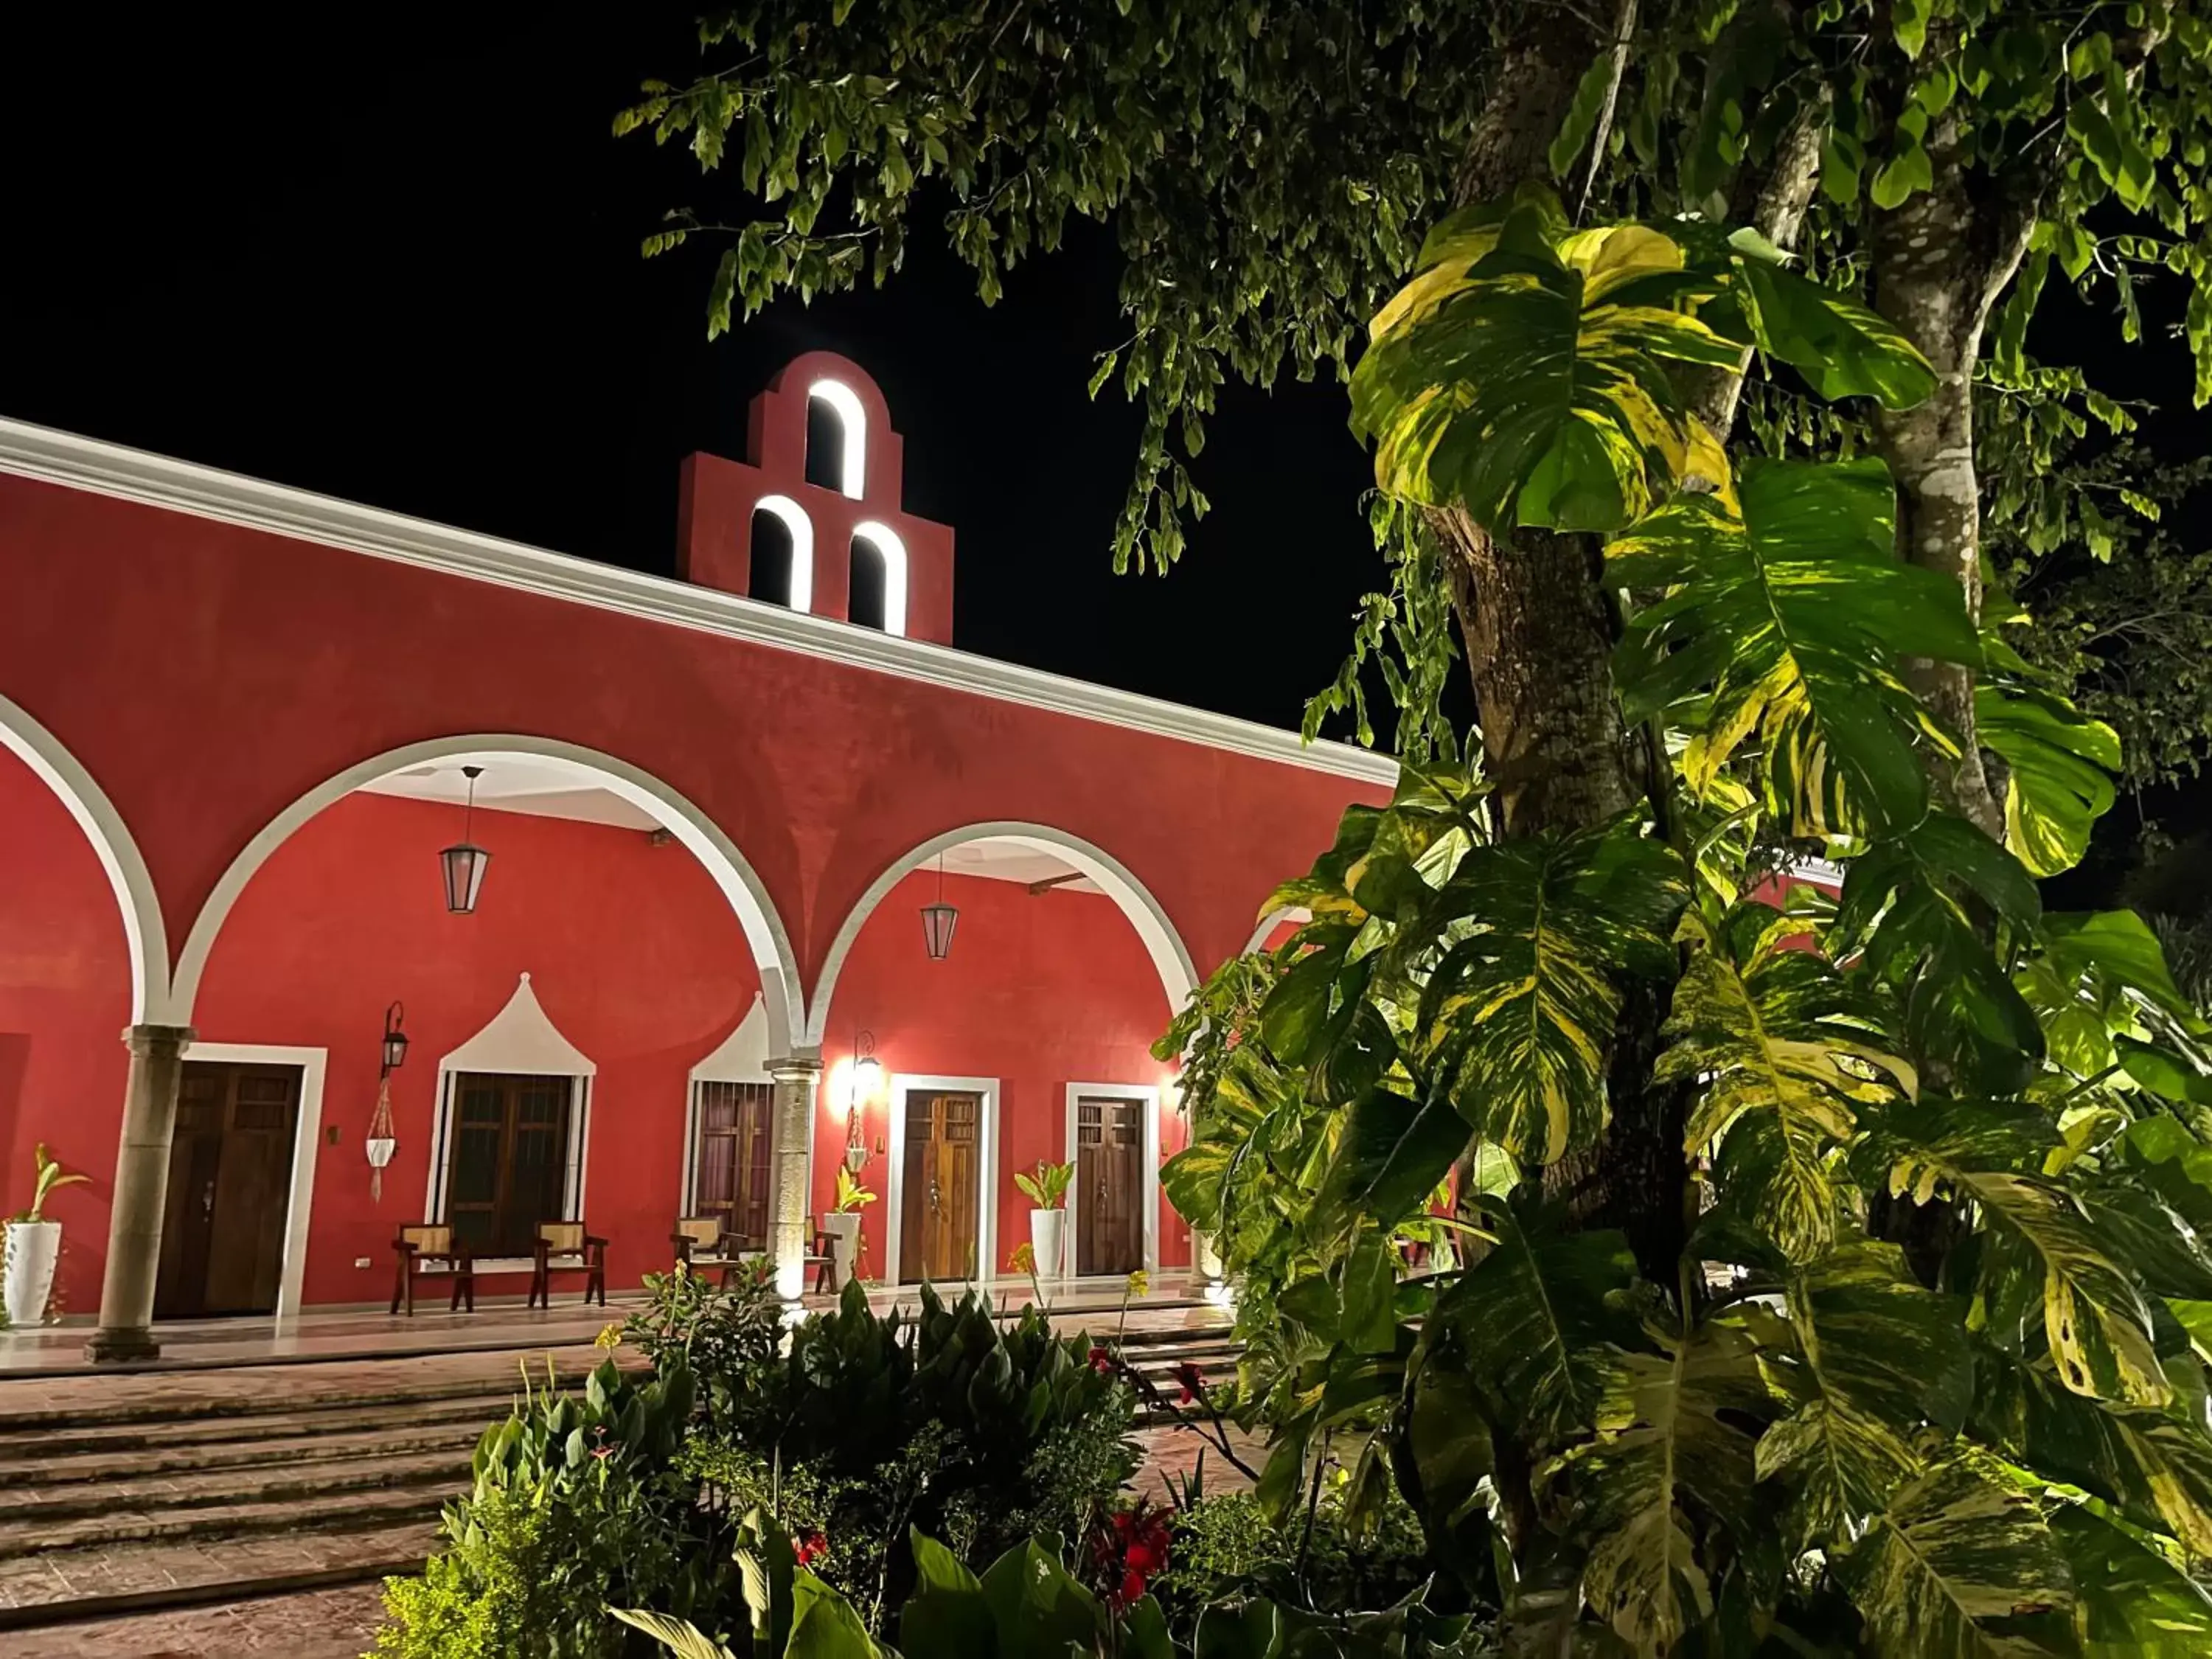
381	1142
867	1086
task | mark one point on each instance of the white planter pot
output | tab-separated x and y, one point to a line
32	1248
1205	1265
843	1227
1048	1234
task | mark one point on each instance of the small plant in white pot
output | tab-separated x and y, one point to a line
842	1224
33	1245
1046	1190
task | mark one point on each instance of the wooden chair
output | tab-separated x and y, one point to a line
823	1258
565	1246
703	1245
429	1249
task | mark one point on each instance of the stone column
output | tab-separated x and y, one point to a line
796	1077
141	1185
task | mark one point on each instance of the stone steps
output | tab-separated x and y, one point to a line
183	1454
147	1440
224	1500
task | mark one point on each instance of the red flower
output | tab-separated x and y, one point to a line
1193	1381
810	1547
1130	1549
1102	1361
1132	1588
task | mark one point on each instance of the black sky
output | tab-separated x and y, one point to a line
400	265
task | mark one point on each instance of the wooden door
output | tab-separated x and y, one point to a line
937	1238
230	1187
1110	1184
730	1162
508	1171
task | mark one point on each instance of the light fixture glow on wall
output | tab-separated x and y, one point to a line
939	919
464	863
866	1087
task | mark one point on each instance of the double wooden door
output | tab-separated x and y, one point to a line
1110	1184
938	1175
510	1160
230	1187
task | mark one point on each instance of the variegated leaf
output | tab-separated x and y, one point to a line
2133	1602
1957	1568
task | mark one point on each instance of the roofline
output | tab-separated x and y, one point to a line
87	463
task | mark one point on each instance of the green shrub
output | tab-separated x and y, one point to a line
1226	1548
577	1503
728	1336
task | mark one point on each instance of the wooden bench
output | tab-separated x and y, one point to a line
566	1247
429	1250
703	1246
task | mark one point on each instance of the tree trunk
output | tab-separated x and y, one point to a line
1540	632
1940	260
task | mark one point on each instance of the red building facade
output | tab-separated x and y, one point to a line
234	721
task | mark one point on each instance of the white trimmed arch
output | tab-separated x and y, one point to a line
886	543
741	885
1171	958
1273	919
852	420
801	527
132	884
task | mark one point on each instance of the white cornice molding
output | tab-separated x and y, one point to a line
105	469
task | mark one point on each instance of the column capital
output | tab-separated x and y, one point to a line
799	1063
149	1039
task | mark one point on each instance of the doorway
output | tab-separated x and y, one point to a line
1109	1169
231	1162
940	1177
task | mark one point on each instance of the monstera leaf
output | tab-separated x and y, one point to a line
1957	1568
2060	762
1538	1320
1788	620
1523	375
1916	903
1879	1358
1518	1015
1785	1049
1682	1464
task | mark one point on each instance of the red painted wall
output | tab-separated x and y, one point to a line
65	999
1039	992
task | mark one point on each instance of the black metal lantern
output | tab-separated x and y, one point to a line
395	1040
939	919
464	863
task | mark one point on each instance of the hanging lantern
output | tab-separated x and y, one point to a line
939	919
466	863
395	1040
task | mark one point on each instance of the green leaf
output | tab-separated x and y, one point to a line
1908	22
1958	1568
823	1625
1915	902
2164	1072
1536	1318
1519	1016
1845	349
1910	170
1790	619
947	1614
1366	1321
2060	763
1035	1605
1684	1461
2132	1603
1530	385
1785	1049
1581	119
684	1640
2119	948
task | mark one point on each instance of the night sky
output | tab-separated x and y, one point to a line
400	265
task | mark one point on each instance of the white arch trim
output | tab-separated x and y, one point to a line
892	552
802	546
1273	919
845	404
132	884
1171	958
747	894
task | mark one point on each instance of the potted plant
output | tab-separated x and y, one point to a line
34	1244
842	1224
1047	1191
